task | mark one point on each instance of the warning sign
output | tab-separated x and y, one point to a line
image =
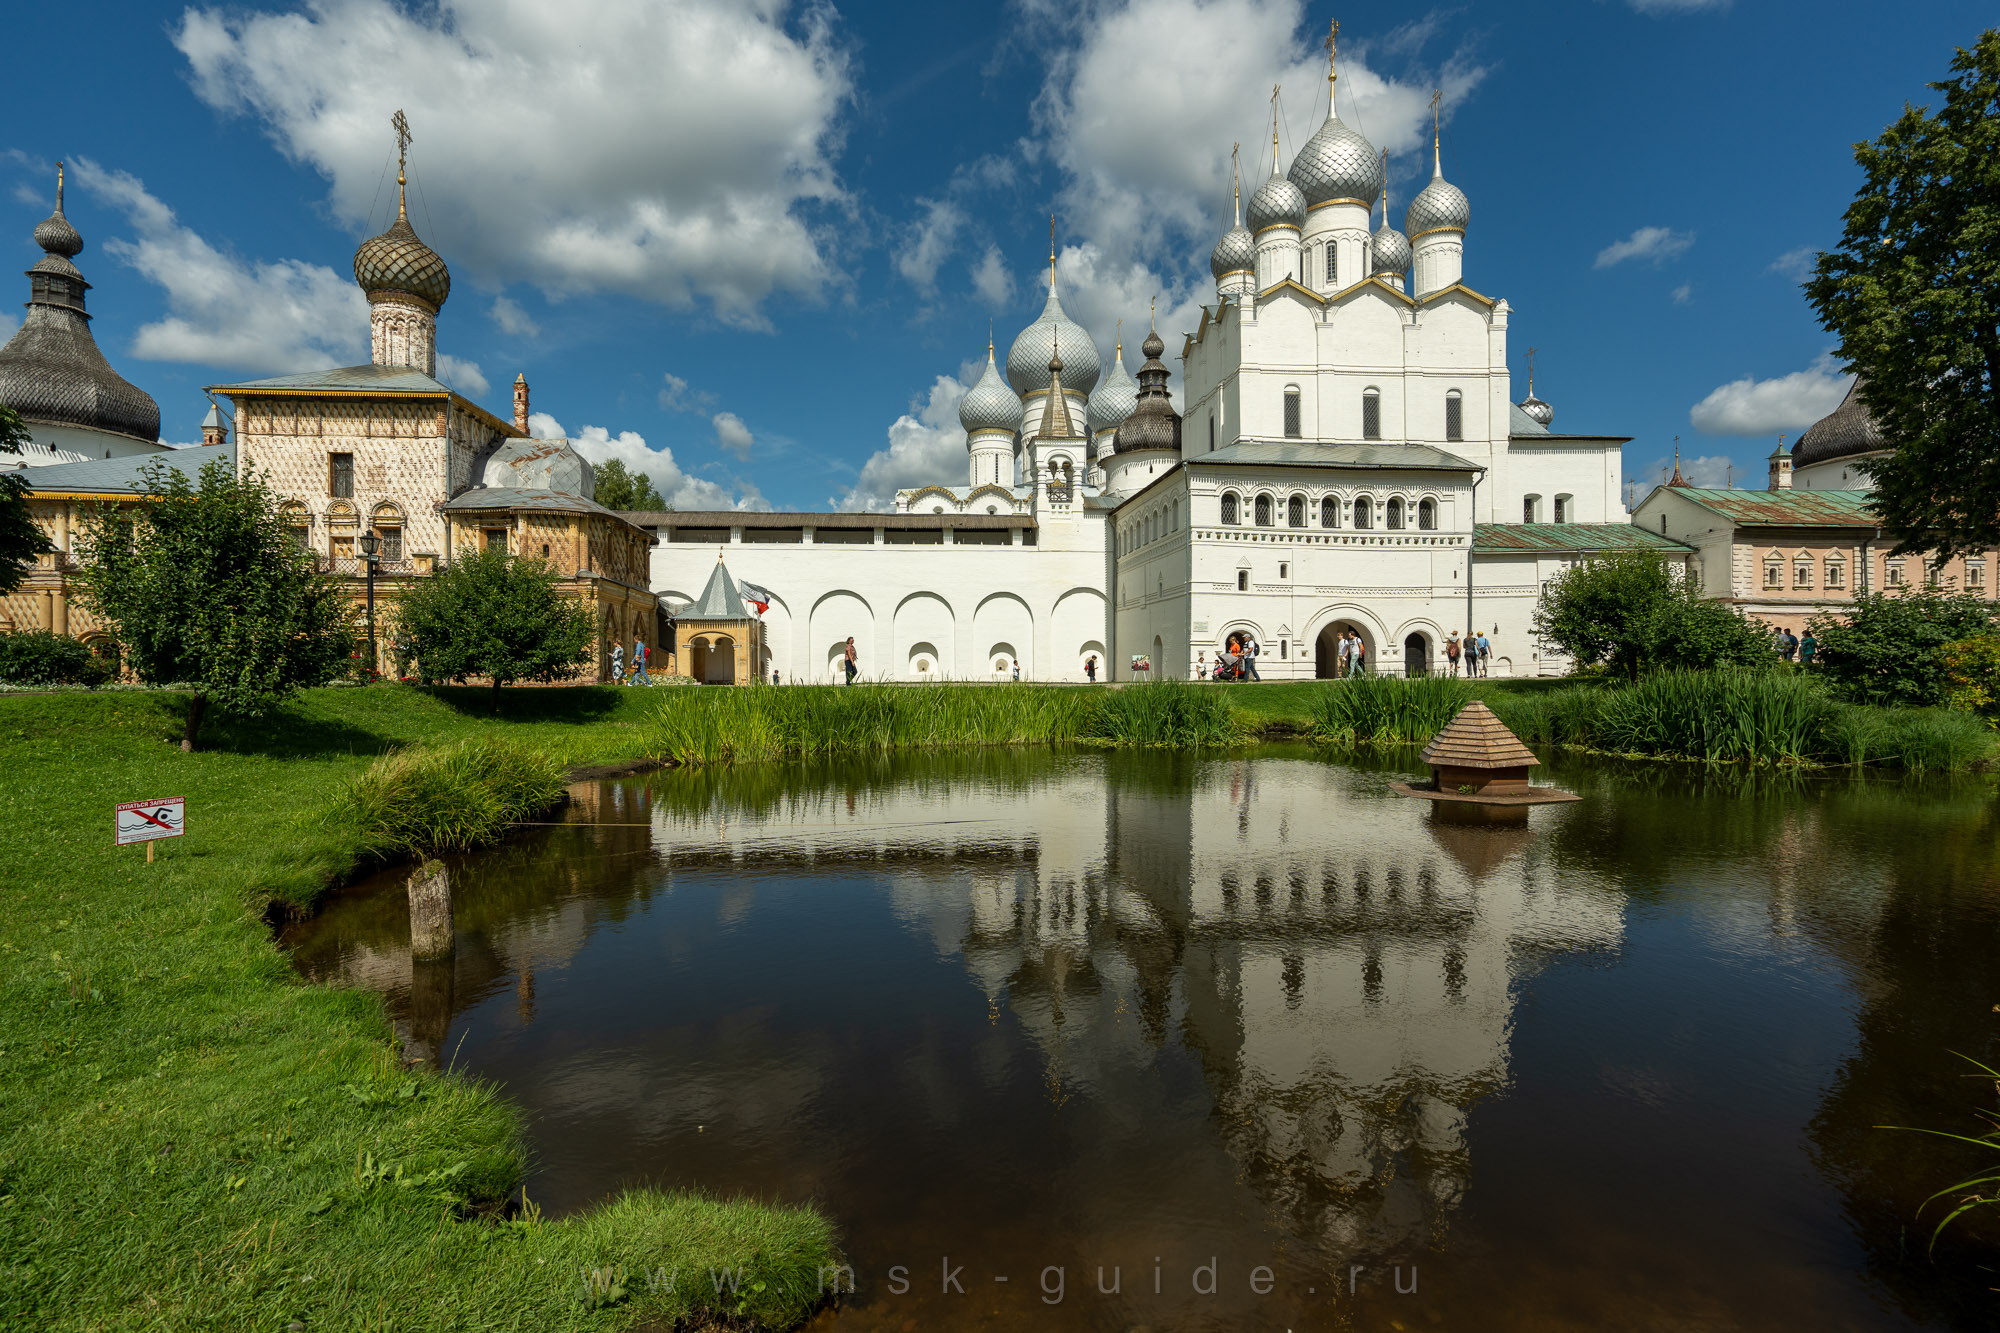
143	821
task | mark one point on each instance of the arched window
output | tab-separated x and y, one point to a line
1454	416
1292	426
1562	509
1836	573
1230	515
1371	414
1295	512
1243	580
1174	525
1427	515
1211	432
1530	508
1263	511
1329	512
1332	267
1802	571
1395	512
1774	571
1364	512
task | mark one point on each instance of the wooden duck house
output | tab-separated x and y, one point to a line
1476	759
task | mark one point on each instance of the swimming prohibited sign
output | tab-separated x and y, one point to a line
143	821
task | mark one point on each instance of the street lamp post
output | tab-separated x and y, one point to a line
370	544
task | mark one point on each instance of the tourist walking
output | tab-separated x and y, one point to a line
1451	651
1017	668
617	664
1808	648
1360	656
1485	654
1250	660
1090	668
847	663
639	676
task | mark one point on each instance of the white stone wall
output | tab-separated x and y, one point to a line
49	444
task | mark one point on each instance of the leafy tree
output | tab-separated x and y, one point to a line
1913	293
1634	612
39	657
205	586
1972	676
20	540
1888	649
498	616
619	489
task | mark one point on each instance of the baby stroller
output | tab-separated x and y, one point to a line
1229	666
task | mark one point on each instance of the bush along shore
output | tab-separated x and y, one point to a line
191	1137
1750	717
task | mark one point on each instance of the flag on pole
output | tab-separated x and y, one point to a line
756	596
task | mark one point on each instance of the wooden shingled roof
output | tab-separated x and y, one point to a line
1477	739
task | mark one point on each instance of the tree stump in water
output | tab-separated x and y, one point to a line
430	911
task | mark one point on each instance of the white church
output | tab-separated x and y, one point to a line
1349	456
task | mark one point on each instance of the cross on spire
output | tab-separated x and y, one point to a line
1437	133
1052	252
1274	127
1332	70
1531	370
402	124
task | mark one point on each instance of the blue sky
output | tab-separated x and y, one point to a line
754	247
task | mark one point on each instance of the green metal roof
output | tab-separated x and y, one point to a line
1308	453
1571	538
720	600
1784	509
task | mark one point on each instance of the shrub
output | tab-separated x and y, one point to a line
1972	675
1889	649
38	657
498	616
1388	710
450	798
1633	611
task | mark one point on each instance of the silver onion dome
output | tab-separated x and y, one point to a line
1028	358
990	404
1536	410
1337	163
1236	252
1439	206
1391	250
1277	203
1114	399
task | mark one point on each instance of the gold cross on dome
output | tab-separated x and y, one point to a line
1332	39
402	124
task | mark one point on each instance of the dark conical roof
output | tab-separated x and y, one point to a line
51	369
1153	424
1848	430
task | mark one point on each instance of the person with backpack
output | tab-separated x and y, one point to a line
1485	654
1360	656
1250	660
1090	668
1451	651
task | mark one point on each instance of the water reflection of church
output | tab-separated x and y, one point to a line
1339	963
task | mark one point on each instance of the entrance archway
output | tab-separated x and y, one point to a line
1417	655
1326	649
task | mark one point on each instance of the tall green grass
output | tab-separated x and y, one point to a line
1714	716
722	726
450	797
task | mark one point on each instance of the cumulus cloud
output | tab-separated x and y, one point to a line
1684	293
462	375
732	434
1795	264
928	242
992	282
680	489
222	309
676	396
1789	403
1649	245
926	445
1716	470
513	320
671	149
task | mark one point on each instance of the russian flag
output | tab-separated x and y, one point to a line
756	596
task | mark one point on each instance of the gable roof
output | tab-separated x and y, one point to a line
1462	290
1572	538
1781	509
1372	280
118	476
1282	283
1311	453
368	379
1476	738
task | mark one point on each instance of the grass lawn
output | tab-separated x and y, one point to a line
192	1138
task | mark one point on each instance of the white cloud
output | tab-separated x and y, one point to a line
462	375
225	310
732	434
1144	143
926	445
992	282
671	150
676	396
929	242
513	320
629	447
1716	470
1795	264
1684	293
1652	245
1658	7
1788	403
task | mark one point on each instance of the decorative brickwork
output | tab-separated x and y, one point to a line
402	331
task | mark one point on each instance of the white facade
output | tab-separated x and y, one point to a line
50	443
1343	445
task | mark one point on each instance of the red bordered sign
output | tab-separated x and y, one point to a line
143	821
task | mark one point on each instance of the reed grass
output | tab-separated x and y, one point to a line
1388	710
449	798
696	727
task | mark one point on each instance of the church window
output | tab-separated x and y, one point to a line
1292	426
1802	573
1562	509
1530	507
340	476
1284	569
1371	414
496	539
1454	417
1332	268
1229	508
1396	512
1174	522
1364	512
1774	572
1329	512
545	550
1211	432
303	535
1263	511
1427	515
1243	580
1894	573
392	543
1975	574
1295	512
1836	574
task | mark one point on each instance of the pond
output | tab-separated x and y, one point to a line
1252	1040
